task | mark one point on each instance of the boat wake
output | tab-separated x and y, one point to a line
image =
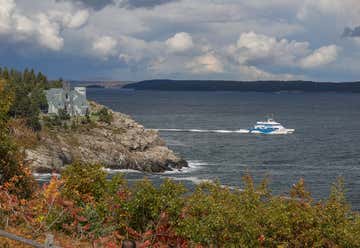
203	131
270	126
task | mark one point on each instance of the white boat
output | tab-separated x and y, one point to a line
270	126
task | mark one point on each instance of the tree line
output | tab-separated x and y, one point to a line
27	88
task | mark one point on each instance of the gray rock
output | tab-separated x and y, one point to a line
124	144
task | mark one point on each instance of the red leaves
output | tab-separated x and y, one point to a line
118	236
133	233
161	236
81	218
261	239
148	234
122	194
86	227
111	245
146	244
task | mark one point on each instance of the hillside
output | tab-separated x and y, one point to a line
100	84
122	144
245	86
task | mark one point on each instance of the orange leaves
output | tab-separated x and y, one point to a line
164	217
123	195
68	204
51	190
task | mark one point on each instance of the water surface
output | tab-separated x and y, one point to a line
325	146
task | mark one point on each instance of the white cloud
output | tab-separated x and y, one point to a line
137	52
49	33
180	42
105	46
254	73
78	19
24	26
7	8
344	11
236	38
42	27
320	57
253	48
207	63
72	19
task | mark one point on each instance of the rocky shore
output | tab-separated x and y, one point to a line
123	144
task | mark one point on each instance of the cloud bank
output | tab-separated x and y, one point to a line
140	39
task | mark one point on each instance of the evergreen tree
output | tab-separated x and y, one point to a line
13	172
5	73
29	96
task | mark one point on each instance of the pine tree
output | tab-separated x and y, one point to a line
13	172
5	73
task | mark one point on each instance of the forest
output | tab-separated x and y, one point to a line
27	89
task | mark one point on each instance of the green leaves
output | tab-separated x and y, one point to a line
14	175
84	182
87	205
28	97
105	115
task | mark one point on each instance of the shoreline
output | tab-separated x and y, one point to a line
121	144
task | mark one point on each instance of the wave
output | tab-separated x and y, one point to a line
44	176
193	165
114	171
195	180
203	130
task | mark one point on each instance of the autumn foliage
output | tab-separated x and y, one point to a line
14	174
87	208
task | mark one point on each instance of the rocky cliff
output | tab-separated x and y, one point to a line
122	144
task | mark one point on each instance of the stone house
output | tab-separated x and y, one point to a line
72	100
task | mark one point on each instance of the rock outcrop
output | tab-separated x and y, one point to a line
123	144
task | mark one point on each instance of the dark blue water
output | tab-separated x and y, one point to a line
325	146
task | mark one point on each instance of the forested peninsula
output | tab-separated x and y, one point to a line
103	136
245	86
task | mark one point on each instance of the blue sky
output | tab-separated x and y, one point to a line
183	39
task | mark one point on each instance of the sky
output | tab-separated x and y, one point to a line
183	39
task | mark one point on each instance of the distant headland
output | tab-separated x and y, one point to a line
244	86
100	84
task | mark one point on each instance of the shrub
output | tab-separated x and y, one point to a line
105	115
215	215
84	205
14	174
148	203
64	115
33	122
83	182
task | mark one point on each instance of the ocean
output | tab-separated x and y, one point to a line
324	147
